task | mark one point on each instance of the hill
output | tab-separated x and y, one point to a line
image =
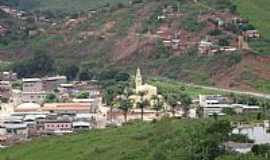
164	140
258	13
93	37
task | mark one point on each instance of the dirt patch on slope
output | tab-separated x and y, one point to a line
257	66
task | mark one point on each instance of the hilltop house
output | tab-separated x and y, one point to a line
251	34
8	76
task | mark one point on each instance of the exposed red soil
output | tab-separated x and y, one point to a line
231	77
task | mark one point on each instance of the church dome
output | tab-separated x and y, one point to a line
28	107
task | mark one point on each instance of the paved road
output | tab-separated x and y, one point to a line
261	95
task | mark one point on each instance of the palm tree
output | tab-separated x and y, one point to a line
173	101
142	103
109	98
125	105
157	103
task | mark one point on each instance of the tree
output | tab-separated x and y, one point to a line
173	100
157	103
40	64
83	95
50	98
186	101
263	150
125	105
71	71
108	98
142	103
121	77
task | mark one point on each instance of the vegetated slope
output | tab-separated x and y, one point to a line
62	6
164	140
122	36
258	12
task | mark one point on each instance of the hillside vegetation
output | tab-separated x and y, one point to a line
120	36
165	140
64	6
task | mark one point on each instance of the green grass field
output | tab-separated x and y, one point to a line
173	86
258	13
164	140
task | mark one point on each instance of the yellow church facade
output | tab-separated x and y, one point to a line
148	91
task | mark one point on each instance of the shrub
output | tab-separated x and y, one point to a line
215	32
261	149
240	138
191	24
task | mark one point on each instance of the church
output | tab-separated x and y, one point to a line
148	90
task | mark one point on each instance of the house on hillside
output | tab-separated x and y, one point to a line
8	76
3	30
251	34
206	48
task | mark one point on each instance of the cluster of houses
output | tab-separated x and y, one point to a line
207	47
180	40
246	32
26	111
12	11
3	30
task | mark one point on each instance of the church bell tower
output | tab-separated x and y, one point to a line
138	78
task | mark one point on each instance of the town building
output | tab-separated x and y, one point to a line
51	83
33	91
8	76
28	107
5	90
215	105
251	34
16	127
69	108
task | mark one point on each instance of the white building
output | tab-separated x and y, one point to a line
215	104
33	91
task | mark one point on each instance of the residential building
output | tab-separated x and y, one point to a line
215	104
32	85
251	34
8	76
16	127
33	91
51	83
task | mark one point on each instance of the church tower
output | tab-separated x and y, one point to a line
138	78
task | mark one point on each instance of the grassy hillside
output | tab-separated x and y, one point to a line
70	6
258	12
123	37
165	140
